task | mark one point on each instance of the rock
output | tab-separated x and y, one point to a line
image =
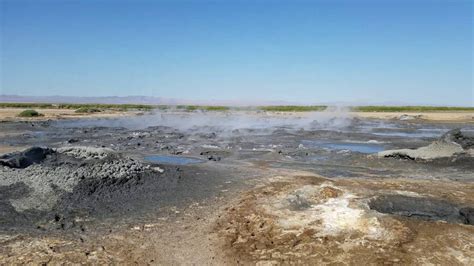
25	158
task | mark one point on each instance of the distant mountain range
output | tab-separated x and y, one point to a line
150	100
133	100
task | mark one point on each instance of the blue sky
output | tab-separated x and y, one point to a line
301	51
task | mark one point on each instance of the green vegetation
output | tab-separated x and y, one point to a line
124	107
203	108
162	107
29	113
88	110
293	108
92	108
410	108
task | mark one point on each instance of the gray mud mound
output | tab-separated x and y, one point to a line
83	152
25	158
422	208
28	193
450	144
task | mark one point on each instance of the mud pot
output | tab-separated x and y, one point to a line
237	188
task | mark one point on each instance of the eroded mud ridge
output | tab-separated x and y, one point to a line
422	208
237	187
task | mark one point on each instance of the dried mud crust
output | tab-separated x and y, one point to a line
142	243
315	220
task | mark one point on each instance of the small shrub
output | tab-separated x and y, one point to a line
412	109
29	113
191	108
87	109
293	108
216	108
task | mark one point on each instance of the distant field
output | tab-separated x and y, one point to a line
277	108
119	107
411	109
293	108
203	107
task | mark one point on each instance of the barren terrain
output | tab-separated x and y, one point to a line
238	187
11	114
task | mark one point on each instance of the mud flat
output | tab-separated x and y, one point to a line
228	188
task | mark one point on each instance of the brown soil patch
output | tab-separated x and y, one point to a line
253	232
467	117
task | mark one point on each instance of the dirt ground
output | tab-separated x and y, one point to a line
467	117
11	114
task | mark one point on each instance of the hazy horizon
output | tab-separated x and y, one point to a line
305	52
152	100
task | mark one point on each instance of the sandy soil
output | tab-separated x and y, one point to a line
430	116
11	114
7	149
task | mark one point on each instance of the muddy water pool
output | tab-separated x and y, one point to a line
172	160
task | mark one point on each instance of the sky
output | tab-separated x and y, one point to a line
406	52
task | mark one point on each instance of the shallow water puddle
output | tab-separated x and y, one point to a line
174	160
420	133
351	146
318	158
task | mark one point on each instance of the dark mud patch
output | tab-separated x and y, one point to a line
147	195
25	158
463	138
216	155
9	217
422	208
468	214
